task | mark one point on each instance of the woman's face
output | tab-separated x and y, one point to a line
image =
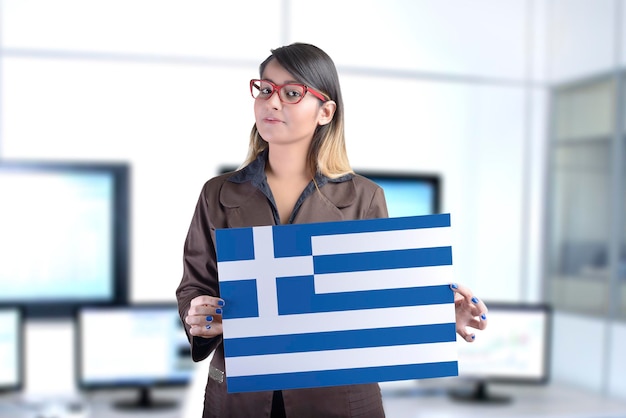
284	123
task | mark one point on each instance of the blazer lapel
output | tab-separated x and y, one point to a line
324	205
245	205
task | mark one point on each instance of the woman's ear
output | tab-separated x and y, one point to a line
326	112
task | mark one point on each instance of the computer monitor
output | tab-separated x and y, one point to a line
11	349
64	235
139	347
406	193
514	348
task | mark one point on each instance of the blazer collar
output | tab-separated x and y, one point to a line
340	192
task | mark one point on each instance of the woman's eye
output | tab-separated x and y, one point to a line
265	90
294	93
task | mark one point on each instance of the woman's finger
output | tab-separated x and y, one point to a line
202	331
468	296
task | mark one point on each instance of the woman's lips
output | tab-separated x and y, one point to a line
272	120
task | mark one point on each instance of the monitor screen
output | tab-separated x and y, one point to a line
11	349
136	346
514	348
63	235
408	194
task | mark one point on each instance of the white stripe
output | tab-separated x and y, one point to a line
381	241
341	359
383	279
266	280
250	269
339	321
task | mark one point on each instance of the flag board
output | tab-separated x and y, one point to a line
337	303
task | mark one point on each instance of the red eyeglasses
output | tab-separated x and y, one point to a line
291	93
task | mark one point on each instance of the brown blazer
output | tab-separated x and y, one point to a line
225	204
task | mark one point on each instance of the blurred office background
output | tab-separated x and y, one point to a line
518	105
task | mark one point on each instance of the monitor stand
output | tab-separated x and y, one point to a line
145	401
478	393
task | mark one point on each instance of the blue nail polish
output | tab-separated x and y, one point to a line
218	311
208	327
483	316
473	337
209	318
475	299
454	286
220	303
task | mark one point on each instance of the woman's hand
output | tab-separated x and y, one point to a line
470	312
205	316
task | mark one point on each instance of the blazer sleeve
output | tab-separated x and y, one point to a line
199	271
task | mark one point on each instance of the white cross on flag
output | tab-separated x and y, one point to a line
336	303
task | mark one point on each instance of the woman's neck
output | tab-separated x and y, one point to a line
287	175
288	163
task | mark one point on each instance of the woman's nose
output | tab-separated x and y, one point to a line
274	100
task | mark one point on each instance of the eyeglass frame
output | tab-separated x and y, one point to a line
276	89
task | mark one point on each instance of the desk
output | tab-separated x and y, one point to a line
99	404
528	401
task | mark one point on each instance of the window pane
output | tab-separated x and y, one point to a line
622	251
579	249
585	112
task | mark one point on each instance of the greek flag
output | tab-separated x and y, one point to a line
336	303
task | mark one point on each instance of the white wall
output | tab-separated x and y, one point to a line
165	87
444	86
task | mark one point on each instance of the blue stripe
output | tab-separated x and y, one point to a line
295	240
234	244
341	377
337	340
297	295
381	260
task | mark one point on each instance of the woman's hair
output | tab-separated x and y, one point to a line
311	66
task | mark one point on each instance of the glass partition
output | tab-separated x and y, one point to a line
580	200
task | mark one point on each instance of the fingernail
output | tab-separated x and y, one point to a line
475	299
483	316
473	337
218	311
454	286
209	318
220	303
208	327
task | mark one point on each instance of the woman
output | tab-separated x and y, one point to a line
296	171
